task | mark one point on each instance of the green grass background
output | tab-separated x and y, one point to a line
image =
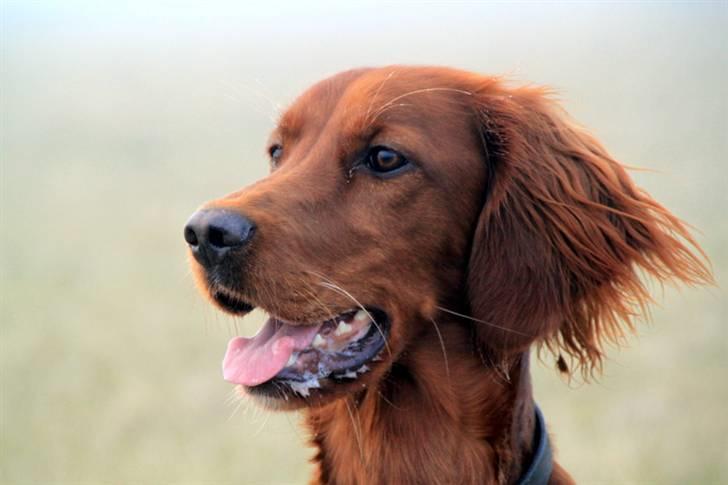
117	120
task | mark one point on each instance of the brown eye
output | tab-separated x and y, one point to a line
275	152
384	160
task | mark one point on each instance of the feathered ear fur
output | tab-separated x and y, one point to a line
564	235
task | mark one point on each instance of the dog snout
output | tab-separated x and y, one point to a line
213	233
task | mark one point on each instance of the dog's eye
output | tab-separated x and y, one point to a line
382	159
275	152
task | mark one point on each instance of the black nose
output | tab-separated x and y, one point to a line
212	233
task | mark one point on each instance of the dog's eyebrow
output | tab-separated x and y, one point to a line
283	130
290	124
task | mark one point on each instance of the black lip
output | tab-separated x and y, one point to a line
231	303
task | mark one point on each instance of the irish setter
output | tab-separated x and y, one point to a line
420	230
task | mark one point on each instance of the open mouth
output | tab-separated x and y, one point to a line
301	356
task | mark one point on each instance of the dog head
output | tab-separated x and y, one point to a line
399	194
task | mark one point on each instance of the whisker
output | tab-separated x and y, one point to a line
235	411
505	329
428	90
262	426
234	396
275	105
416	91
442	346
501	369
371	103
357	432
388	401
294	427
342	291
236	95
384	109
310	292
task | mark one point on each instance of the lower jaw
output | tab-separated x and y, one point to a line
278	395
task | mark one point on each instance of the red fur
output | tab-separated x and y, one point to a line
515	228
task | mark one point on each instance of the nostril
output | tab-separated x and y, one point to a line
230	232
216	237
191	236
248	232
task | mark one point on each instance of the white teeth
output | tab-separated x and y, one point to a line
342	328
292	360
318	341
361	316
304	388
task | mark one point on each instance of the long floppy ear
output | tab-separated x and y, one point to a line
564	235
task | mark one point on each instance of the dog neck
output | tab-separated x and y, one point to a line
442	411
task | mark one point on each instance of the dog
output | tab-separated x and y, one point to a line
421	229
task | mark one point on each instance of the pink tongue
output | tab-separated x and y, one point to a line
252	361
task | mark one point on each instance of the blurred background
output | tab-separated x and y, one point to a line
118	119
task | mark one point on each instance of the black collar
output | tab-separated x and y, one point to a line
539	471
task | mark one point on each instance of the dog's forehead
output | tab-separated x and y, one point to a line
359	98
315	105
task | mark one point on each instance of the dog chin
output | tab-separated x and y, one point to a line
273	396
